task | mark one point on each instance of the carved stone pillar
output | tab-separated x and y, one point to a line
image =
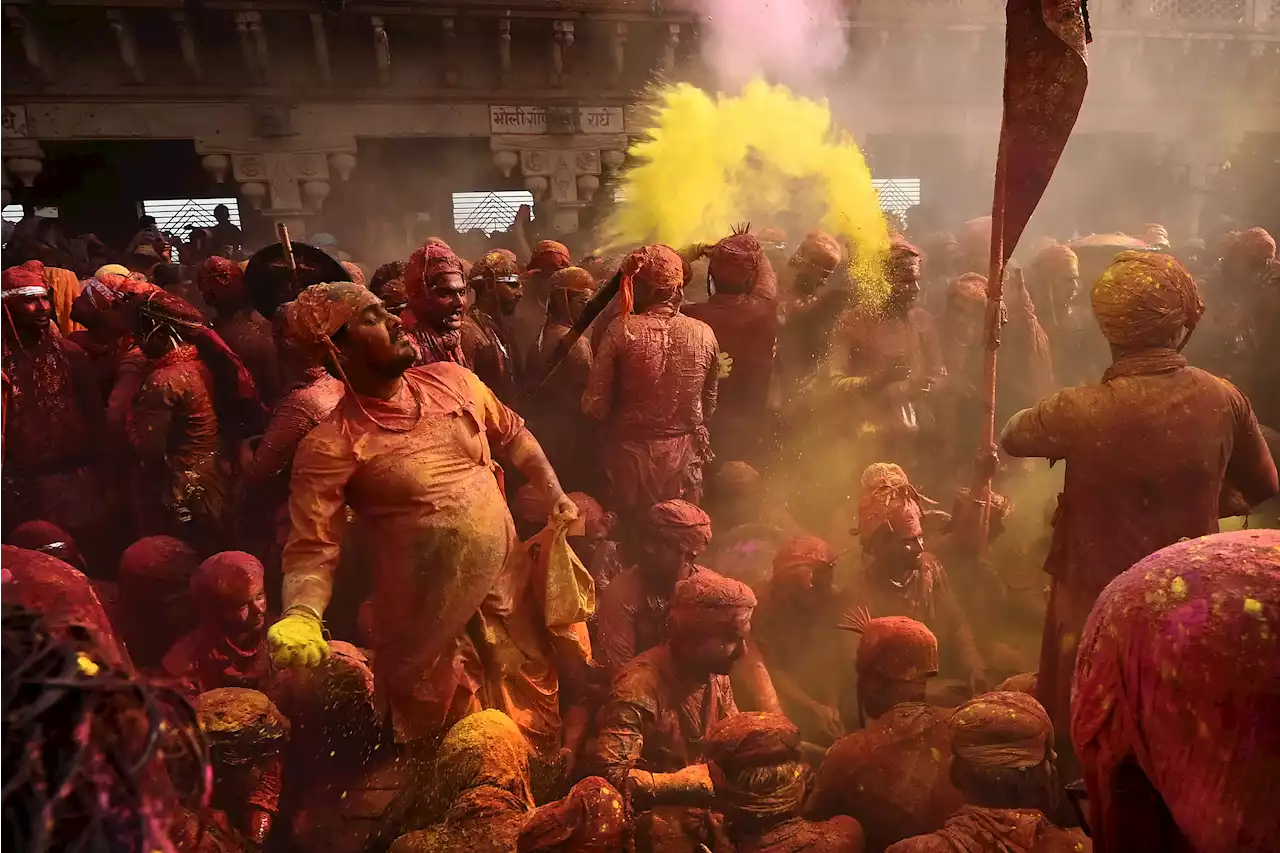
286	181
563	172
127	44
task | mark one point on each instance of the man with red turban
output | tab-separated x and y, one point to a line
891	775
437	298
411	451
1156	452
107	336
197	400
53	422
155	608
246	332
527	318
487	337
556	410
387	283
886	361
811	311
1175	716
742	311
792	628
1002	761
632	616
228	646
760	784
653	386
898	577
663	704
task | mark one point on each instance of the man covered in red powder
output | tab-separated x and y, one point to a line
632	615
228	646
1155	452
1175	717
891	775
793	629
653	386
246	734
411	451
760	783
246	332
155	608
196	398
487	340
899	578
530	315
555	413
1053	279
437	299
885	361
811	311
743	312
1004	764
107	337
53	421
663	704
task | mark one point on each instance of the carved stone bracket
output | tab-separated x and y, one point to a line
562	172
284	180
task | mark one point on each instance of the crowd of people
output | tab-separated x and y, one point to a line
524	554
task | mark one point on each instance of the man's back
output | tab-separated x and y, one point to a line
1152	456
656	374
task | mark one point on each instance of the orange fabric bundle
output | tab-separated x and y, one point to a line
659	271
64	287
1144	298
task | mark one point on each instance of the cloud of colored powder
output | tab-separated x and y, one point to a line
708	162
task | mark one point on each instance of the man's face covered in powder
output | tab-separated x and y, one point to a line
905	287
715	648
445	301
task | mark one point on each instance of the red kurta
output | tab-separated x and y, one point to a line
746	329
1156	452
250	336
892	776
491	354
653	385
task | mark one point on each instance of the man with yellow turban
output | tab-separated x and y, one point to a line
1156	452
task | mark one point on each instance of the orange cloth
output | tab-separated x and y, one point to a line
64	287
548	257
424	485
1144	298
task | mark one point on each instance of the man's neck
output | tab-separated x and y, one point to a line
31	337
377	387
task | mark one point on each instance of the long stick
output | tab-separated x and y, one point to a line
995	294
589	313
282	231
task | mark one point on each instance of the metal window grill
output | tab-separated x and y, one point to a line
13	213
174	215
897	194
488	211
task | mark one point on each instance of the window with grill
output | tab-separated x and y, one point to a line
897	194
488	211
177	216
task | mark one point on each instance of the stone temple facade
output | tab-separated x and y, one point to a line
364	116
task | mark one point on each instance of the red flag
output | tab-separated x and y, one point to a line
1045	76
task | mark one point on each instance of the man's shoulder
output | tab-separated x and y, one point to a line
640	679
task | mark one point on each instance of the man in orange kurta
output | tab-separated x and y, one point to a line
411	451
1155	452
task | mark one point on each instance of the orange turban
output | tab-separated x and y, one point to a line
705	601
795	560
895	648
1253	245
736	263
498	265
679	521
970	287
24	280
1001	731
322	309
221	280
1144	298
353	270
1056	261
887	497
818	249
659	271
548	257
573	278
